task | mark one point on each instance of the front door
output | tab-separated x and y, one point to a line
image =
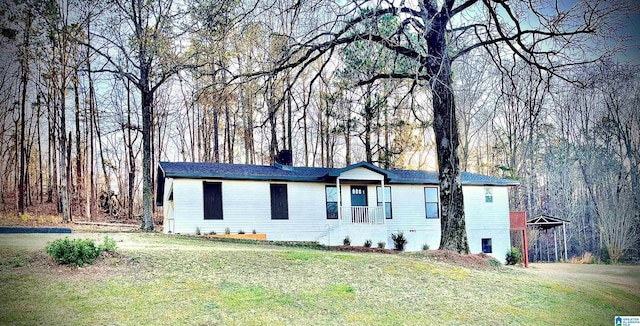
358	195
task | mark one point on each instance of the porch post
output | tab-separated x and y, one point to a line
339	199
384	208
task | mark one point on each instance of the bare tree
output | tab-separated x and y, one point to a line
433	35
144	43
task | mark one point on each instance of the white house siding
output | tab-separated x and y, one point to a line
247	206
168	207
487	220
409	217
357	234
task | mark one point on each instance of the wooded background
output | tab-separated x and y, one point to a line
87	87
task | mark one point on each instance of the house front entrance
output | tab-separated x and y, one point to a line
358	196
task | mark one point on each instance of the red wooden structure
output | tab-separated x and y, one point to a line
519	223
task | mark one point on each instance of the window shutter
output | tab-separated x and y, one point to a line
279	202
212	200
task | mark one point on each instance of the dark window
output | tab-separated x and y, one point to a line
332	202
212	196
431	202
279	202
486	246
488	195
387	200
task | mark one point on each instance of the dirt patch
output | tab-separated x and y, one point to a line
107	265
365	249
450	257
624	276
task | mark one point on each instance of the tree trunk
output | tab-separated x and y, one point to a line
76	96
273	110
147	99
132	160
368	120
62	134
289	124
40	174
24	63
452	222
305	134
216	134
229	136
91	197
69	174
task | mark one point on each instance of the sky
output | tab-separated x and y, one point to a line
632	54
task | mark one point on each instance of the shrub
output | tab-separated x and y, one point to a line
212	232
494	262
588	258
513	256
425	247
367	243
240	232
381	244
254	231
76	252
227	230
109	244
399	241
198	231
346	241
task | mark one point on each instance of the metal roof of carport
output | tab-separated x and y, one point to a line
546	221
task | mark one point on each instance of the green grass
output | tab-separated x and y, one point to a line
180	280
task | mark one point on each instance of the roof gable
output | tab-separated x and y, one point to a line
362	164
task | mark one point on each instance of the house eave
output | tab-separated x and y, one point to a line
464	183
246	177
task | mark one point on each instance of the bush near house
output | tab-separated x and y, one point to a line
513	256
77	252
399	241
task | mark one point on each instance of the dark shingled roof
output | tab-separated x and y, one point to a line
279	172
242	171
288	173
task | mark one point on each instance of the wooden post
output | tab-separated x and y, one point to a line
564	237
555	244
526	250
546	246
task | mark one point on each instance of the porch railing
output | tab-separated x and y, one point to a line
362	215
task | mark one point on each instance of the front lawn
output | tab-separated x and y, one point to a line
164	280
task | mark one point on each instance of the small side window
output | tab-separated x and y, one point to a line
486	246
488	195
331	193
431	203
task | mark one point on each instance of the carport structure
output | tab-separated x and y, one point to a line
546	222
